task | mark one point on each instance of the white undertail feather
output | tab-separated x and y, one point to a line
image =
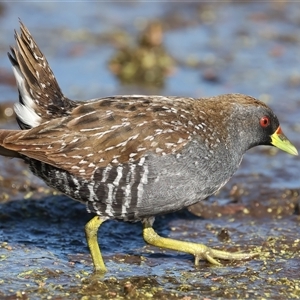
25	112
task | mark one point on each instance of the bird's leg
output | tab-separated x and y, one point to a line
200	251
91	230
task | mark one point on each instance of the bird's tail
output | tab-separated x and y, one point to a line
5	133
40	97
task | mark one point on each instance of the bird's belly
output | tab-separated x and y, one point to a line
130	192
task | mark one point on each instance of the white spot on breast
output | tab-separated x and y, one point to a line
105	173
92	196
144	180
119	175
142	161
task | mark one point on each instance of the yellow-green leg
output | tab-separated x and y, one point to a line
200	251
91	230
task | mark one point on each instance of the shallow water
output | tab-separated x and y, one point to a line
250	48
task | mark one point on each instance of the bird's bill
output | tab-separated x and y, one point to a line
279	140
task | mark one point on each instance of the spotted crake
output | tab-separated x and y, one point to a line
132	157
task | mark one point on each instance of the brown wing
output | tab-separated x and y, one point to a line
107	131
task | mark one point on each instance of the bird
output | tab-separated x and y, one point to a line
132	157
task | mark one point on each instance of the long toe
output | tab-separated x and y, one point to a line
210	254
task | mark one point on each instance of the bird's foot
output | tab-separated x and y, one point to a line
200	251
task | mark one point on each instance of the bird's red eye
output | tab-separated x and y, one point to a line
264	122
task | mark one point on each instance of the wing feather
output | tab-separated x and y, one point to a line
102	132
